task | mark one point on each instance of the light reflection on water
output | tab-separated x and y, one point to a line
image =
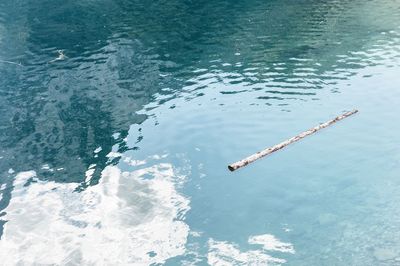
129	218
125	219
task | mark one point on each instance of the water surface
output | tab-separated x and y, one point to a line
117	153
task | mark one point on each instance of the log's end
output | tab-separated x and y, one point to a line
353	111
231	168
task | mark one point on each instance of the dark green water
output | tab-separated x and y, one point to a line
116	154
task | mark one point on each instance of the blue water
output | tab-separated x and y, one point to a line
118	119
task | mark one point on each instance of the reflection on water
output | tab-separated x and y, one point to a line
129	218
224	253
125	219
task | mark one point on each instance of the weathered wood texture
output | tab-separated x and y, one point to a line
281	145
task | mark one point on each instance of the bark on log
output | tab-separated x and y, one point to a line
281	145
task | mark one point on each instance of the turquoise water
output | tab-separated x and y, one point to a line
117	152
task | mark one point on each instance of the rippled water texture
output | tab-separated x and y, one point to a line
118	119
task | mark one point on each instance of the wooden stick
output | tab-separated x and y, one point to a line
281	145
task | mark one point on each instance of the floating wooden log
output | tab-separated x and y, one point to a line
281	145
